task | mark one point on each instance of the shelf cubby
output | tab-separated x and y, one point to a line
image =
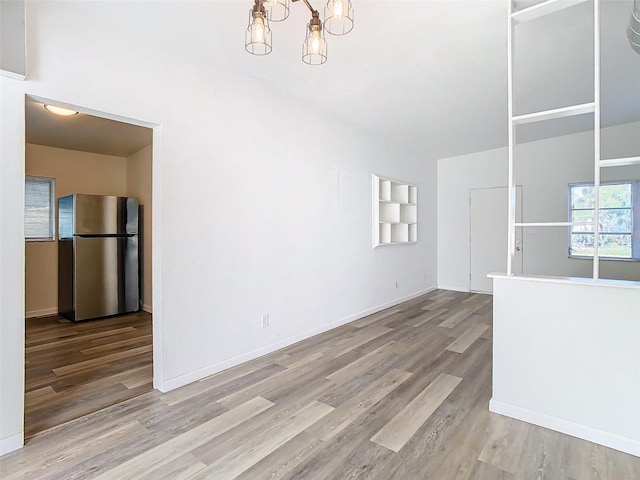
390	212
385	233
395	212
413	232
399	233
399	192
385	190
408	213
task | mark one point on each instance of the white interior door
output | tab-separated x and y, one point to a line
489	217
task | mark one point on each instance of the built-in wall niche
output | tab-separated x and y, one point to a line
395	212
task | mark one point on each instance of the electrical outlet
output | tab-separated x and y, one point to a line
397	283
424	277
265	320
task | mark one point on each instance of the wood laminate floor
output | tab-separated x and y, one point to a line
74	369
399	395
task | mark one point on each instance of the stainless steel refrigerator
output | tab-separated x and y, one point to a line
98	256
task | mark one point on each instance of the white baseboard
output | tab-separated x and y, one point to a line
232	362
46	312
611	440
11	443
452	288
147	308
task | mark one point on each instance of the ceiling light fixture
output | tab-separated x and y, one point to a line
65	112
338	16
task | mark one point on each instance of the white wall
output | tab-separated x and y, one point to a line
566	357
12	39
544	169
456	176
11	264
275	222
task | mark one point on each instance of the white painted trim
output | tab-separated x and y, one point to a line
555	113
232	362
542	9
619	162
454	288
11	443
568	280
147	308
45	312
623	444
12	75
156	256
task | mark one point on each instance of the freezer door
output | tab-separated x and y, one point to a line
105	276
105	215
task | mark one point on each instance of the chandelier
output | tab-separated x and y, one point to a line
338	20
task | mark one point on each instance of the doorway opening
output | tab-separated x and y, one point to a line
488	226
73	368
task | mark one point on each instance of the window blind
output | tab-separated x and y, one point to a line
39	208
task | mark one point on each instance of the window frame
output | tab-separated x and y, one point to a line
635	221
52	208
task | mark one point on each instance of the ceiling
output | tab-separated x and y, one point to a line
83	132
429	74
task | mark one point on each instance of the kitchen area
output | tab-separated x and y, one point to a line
88	341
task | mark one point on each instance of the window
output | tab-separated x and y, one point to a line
39	207
619	220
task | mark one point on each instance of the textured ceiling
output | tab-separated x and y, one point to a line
430	74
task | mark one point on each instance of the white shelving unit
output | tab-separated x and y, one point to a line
534	12
395	212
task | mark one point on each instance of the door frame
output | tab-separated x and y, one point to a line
156	229
517	266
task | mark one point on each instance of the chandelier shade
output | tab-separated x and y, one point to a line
338	17
277	10
257	39
314	48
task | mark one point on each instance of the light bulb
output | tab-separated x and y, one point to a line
60	111
257	30
337	8
315	42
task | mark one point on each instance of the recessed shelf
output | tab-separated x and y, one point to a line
408	213
395	212
620	162
555	113
542	9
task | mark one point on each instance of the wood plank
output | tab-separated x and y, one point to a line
368	320
244	457
352	341
182	468
174	448
348	411
264	385
505	443
57	342
464	341
142	339
398	431
363	364
75	367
